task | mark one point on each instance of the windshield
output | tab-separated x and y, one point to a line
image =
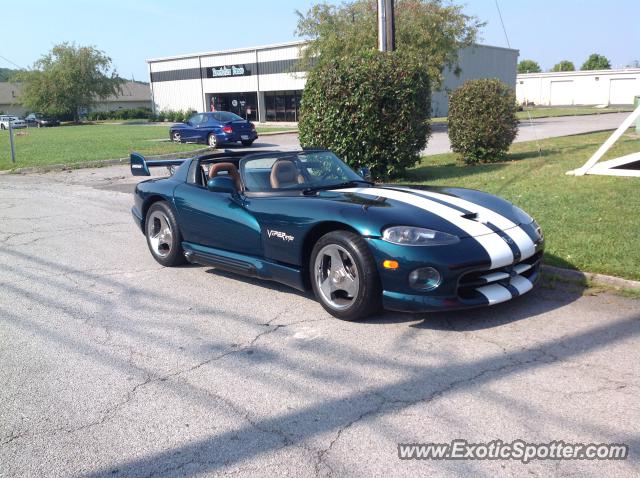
294	171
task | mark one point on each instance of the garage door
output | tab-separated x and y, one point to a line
562	93
622	91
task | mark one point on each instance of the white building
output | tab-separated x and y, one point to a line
597	87
264	83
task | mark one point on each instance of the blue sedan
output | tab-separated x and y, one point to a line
214	129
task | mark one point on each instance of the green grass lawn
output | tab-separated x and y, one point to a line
74	144
591	223
539	112
551	112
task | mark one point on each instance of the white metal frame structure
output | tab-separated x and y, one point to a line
612	167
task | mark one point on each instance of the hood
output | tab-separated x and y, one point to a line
458	211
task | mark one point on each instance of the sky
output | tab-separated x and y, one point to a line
131	31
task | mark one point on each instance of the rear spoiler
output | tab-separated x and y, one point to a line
140	166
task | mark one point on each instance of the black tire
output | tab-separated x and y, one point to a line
247	143
2	127
368	298
176	137
212	141
158	217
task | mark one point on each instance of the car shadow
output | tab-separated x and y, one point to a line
550	293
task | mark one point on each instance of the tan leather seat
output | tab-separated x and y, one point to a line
284	173
231	170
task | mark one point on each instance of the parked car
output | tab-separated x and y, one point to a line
305	219
40	120
214	128
14	120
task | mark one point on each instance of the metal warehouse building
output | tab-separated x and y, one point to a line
265	84
597	87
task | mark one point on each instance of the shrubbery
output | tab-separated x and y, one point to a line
482	120
371	110
141	113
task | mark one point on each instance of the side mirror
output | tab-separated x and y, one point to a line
222	184
365	173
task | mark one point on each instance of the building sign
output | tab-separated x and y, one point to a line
226	71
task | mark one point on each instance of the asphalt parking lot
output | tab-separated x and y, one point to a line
115	366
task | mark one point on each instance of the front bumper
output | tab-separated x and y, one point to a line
468	279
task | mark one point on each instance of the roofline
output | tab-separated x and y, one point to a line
279	45
547	74
494	47
224	52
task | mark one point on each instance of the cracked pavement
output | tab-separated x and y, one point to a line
115	366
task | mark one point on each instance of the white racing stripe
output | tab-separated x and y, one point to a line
495	293
523	284
498	250
521	238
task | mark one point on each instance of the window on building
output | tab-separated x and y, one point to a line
282	105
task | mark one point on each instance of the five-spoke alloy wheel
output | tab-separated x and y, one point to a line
176	136
344	276
163	235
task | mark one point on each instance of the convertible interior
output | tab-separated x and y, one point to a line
281	173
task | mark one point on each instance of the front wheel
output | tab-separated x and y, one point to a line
212	141
2	127
247	142
176	136
163	236
344	276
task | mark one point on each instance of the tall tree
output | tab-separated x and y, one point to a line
67	78
529	66
596	62
564	65
6	73
430	31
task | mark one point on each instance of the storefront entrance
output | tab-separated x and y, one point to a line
282	105
242	104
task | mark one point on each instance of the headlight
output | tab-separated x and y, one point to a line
521	216
417	236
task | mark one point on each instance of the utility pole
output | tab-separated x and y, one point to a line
13	151
386	26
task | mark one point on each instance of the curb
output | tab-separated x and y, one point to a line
575	275
94	164
274	133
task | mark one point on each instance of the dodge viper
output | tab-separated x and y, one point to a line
305	219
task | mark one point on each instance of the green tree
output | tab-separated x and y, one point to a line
372	110
431	31
67	78
564	65
529	66
6	74
596	62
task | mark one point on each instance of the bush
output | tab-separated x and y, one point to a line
371	110
482	120
121	114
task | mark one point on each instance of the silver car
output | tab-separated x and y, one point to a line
16	122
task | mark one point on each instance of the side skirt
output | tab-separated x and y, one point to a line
245	265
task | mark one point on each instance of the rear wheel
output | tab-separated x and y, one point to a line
212	141
247	142
163	236
344	276
2	127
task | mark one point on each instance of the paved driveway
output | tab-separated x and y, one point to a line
114	366
529	131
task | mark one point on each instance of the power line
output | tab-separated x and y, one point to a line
502	22
13	63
